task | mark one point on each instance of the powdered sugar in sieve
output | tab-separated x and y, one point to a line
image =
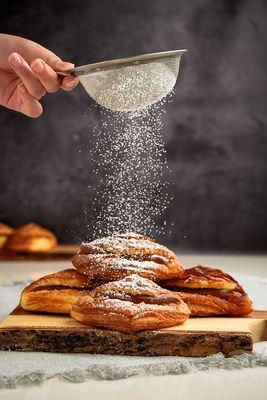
131	83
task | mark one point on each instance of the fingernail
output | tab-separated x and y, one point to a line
38	66
64	64
15	60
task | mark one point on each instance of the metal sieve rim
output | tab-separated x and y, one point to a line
102	65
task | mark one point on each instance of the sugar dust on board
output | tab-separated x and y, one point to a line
130	192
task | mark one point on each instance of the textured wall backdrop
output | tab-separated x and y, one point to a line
215	128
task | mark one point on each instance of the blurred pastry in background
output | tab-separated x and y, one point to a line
31	238
5	232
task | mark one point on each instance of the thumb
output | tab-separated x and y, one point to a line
58	64
55	62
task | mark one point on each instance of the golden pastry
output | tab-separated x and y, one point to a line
131	304
201	277
5	232
209	292
31	238
55	293
114	257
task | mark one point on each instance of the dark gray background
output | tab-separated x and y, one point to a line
215	128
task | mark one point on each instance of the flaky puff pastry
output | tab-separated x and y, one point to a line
55	293
201	277
31	238
208	292
115	257
131	304
5	232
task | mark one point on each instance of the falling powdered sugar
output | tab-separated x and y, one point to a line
129	189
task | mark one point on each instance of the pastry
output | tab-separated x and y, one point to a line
201	277
131	304
217	302
114	257
31	238
55	293
210	291
5	232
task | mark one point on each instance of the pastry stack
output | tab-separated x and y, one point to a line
128	282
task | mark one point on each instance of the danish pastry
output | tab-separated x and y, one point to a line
131	304
115	257
55	293
209	291
201	277
5	232
31	238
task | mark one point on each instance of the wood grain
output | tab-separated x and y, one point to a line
24	331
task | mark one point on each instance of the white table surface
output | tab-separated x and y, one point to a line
216	384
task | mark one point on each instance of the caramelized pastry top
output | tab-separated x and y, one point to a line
128	244
137	290
55	293
201	277
210	292
117	256
131	304
68	278
210	302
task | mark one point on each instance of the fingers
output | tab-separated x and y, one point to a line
27	104
46	75
23	70
50	79
36	79
56	64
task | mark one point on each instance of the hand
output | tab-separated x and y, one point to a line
27	72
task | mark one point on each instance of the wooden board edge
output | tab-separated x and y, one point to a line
148	343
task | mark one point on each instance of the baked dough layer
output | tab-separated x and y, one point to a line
223	302
203	277
118	256
209	291
131	304
55	293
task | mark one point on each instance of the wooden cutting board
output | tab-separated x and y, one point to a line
25	331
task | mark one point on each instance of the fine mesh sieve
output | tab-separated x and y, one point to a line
130	83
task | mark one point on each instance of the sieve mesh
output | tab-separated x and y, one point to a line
131	86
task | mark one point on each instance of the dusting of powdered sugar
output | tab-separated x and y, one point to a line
133	284
121	244
130	189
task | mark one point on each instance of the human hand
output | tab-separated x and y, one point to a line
27	72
